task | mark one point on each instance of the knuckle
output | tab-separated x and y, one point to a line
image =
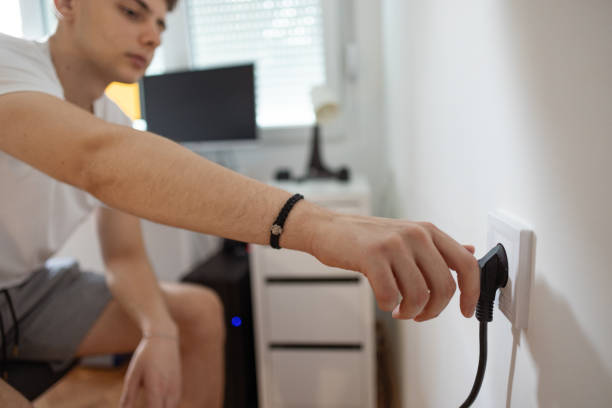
387	245
428	226
418	233
394	242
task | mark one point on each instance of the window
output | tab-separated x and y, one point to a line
283	37
49	18
288	40
10	18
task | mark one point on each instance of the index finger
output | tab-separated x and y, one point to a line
463	262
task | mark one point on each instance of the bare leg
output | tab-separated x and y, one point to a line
198	312
11	398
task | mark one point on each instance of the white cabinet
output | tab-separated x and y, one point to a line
318	378
314	325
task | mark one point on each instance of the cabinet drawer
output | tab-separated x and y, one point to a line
315	312
287	262
318	379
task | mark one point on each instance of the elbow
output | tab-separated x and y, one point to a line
97	170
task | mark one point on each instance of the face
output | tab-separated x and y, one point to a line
117	37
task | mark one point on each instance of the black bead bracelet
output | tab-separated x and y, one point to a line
277	227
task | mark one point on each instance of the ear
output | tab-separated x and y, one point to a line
65	8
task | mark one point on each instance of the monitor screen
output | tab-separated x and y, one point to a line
204	105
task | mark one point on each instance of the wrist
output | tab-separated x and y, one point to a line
303	226
160	336
338	240
165	327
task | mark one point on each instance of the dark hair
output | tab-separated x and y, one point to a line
171	4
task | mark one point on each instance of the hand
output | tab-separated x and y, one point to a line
407	263
155	367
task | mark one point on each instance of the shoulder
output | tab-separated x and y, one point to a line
9	42
26	66
16	51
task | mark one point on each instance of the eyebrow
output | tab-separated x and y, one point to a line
146	7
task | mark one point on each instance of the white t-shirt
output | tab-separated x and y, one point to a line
37	213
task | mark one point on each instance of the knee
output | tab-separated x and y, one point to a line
206	315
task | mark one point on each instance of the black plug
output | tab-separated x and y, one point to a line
493	275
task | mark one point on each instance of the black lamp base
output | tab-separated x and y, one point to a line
316	169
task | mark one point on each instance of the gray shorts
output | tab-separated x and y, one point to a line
55	308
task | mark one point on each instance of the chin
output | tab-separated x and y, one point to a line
129	77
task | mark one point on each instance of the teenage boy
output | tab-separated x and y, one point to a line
66	150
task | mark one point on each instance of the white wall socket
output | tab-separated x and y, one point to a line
516	237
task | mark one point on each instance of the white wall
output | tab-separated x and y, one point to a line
508	104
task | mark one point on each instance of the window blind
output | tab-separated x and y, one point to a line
284	38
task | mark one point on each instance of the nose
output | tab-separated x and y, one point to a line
151	35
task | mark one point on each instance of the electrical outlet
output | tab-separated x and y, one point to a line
516	237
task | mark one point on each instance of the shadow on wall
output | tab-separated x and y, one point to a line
565	60
570	372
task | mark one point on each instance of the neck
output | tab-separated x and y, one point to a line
80	79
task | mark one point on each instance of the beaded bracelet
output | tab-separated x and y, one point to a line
277	227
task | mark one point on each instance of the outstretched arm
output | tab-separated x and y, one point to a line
139	173
149	176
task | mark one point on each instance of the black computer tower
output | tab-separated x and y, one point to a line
227	273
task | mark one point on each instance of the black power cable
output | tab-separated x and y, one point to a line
493	275
482	365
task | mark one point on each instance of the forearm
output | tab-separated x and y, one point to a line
144	174
151	177
135	287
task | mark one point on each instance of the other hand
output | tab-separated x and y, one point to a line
155	369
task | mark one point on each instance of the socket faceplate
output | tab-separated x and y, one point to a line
516	237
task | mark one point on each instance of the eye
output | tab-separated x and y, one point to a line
132	14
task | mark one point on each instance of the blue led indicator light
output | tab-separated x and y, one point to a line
236	321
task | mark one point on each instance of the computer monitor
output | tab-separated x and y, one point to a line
209	105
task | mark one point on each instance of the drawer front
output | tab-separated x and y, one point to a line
314	312
287	262
318	379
